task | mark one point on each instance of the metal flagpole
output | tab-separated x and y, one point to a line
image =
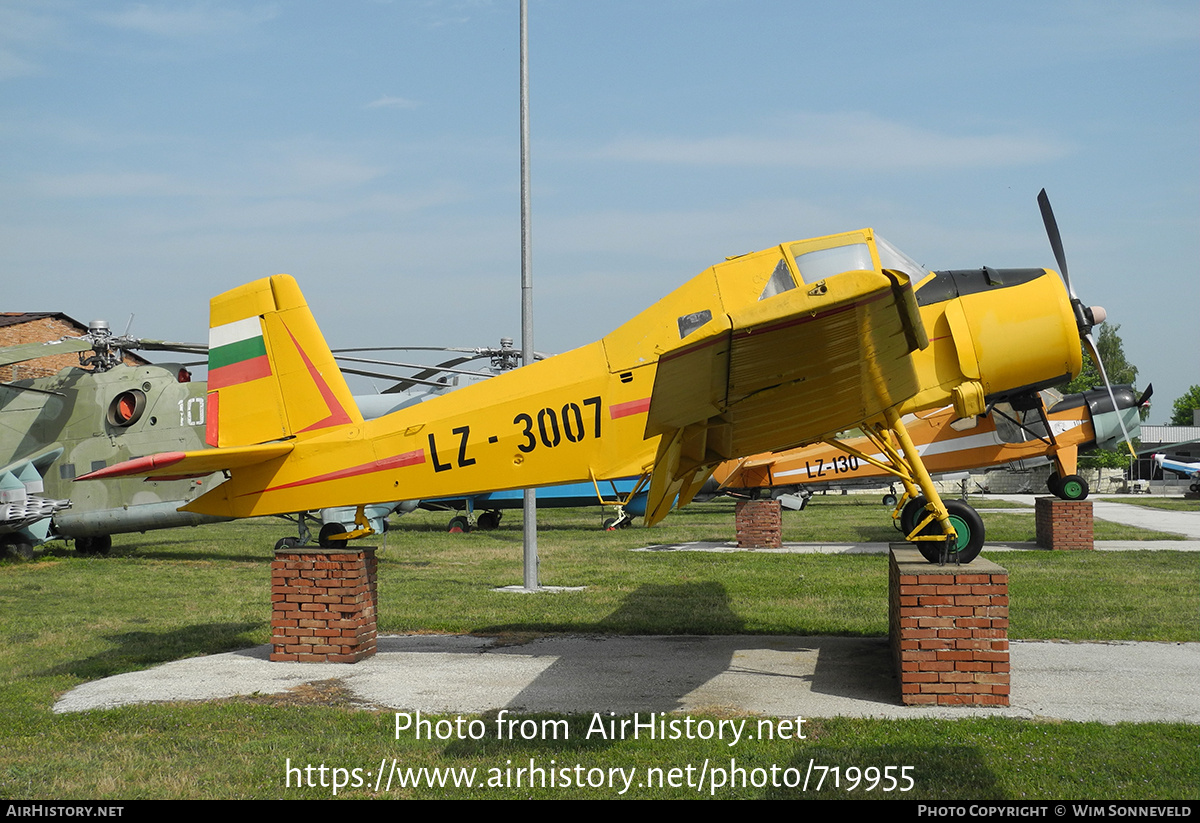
530	554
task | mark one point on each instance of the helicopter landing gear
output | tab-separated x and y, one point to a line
94	545
16	546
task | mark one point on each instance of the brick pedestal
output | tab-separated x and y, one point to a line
1064	524
323	605
759	524
949	630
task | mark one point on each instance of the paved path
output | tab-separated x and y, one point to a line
1186	524
778	676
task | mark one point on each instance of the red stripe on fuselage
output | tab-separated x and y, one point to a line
626	409
413	458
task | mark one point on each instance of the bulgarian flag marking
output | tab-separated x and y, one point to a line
237	353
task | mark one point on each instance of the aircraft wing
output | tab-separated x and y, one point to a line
788	370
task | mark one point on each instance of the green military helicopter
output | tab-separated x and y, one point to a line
82	418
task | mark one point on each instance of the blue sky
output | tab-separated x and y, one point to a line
155	154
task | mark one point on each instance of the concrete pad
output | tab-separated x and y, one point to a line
778	676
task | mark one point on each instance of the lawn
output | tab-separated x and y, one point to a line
167	595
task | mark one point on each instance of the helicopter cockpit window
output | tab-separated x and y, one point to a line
781	281
817	265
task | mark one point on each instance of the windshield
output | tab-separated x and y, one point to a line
891	257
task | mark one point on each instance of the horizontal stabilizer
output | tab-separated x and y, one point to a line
193	463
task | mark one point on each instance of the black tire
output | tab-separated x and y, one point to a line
889	500
968	525
609	524
488	521
18	548
1073	487
912	514
285	543
1054	484
83	545
459	524
326	541
102	545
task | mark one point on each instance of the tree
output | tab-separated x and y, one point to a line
1120	370
1182	410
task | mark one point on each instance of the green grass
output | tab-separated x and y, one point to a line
1174	504
167	595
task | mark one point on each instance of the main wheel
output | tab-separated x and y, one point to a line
285	543
912	514
488	521
459	525
1054	484
1072	487
968	527
325	537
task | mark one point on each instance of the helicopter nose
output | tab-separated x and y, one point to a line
1098	314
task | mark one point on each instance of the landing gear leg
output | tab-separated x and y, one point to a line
621	521
941	534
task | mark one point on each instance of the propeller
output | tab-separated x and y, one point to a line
1086	317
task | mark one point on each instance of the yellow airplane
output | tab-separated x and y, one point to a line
950	444
761	352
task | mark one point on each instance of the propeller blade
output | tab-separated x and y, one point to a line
1090	344
1055	239
1145	398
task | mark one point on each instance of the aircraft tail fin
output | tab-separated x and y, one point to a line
270	373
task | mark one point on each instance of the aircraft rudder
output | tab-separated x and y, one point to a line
271	374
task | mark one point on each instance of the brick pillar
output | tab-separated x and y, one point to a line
324	605
759	524
1064	524
949	630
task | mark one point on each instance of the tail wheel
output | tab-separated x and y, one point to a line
968	528
459	525
325	538
1072	487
